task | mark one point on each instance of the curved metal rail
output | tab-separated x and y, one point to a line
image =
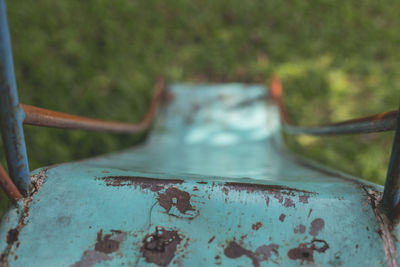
381	122
49	118
386	121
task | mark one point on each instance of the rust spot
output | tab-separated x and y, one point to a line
211	239
152	184
277	191
309	213
106	244
385	226
302	253
267	201
264	252
234	251
305	251
300	229
12	236
90	258
202	182
304	199
225	190
319	245
175	197
289	203
160	247
256	226
268	188
282	217
316	226
278	196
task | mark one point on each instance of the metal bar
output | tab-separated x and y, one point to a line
8	186
48	118
385	121
391	194
377	123
11	114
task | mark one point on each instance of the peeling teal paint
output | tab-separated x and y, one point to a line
213	185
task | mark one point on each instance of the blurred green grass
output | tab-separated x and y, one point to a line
337	60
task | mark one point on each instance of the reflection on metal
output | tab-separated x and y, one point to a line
11	114
385	121
391	196
212	185
48	118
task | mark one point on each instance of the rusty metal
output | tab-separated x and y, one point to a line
48	118
204	189
391	196
11	114
386	121
8	186
381	122
386	226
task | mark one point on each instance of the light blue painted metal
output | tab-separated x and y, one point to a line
213	185
11	114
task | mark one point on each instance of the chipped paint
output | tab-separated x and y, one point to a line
256	226
305	251
90	258
299	229
234	250
104	246
316	226
152	184
13	234
160	247
262	253
385	225
38	179
265	252
222	209
173	197
211	239
107	244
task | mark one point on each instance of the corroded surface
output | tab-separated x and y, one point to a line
213	185
160	247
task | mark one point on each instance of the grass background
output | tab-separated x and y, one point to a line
99	58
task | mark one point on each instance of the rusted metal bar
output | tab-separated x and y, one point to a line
391	194
8	186
11	113
48	118
385	121
382	122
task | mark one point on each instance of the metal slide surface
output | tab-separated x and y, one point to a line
212	185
